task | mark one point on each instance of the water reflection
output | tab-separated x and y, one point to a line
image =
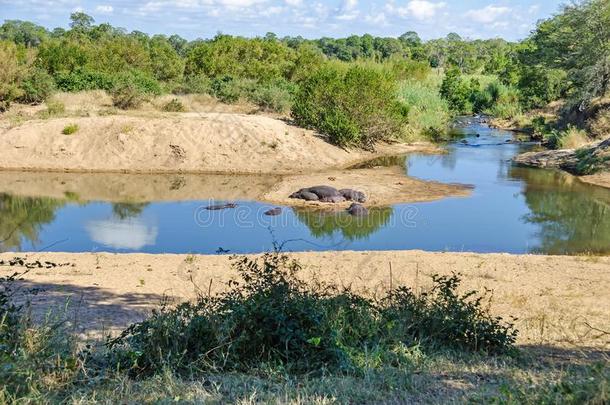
22	218
325	224
128	210
122	234
571	216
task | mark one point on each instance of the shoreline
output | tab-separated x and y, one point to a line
104	292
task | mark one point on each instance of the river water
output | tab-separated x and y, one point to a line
511	209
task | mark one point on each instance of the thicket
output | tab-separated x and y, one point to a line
355	105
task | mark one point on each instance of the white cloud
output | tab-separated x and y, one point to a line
122	234
104	9
487	14
294	3
420	9
348	10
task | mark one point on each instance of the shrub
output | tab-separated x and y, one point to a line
132	89
127	95
83	79
12	71
36	87
32	359
229	90
428	113
174	105
276	96
196	84
351	105
271	317
457	92
70	129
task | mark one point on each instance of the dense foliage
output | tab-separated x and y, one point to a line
331	101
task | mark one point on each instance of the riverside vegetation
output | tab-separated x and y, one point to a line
273	337
412	87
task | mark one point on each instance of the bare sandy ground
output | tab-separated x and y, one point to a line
207	142
558	300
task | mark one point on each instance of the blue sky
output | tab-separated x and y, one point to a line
312	19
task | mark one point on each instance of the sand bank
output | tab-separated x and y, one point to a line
558	300
174	143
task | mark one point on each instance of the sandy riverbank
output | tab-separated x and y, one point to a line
558	300
178	143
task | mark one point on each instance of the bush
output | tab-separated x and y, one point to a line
32	359
351	105
174	106
127	95
36	87
457	92
12	71
83	79
276	96
70	129
229	90
196	84
132	89
271	317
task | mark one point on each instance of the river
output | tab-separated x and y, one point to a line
511	209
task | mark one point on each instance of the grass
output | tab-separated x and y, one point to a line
429	114
43	363
70	129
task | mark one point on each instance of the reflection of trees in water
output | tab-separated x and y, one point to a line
326	223
573	217
22	217
126	210
382	161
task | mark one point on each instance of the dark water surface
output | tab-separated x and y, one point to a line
511	209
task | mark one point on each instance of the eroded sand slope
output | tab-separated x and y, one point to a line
187	142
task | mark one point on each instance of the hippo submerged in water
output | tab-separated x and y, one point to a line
329	194
357	210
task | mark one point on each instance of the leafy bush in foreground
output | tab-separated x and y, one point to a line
272	317
352	106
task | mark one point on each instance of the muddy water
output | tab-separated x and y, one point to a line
511	209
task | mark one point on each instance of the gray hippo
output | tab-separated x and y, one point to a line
353	195
316	193
273	212
357	210
333	199
221	207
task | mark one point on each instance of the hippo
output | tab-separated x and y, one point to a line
220	207
323	191
333	199
316	193
273	212
353	195
303	194
357	210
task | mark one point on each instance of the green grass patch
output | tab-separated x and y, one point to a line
70	129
